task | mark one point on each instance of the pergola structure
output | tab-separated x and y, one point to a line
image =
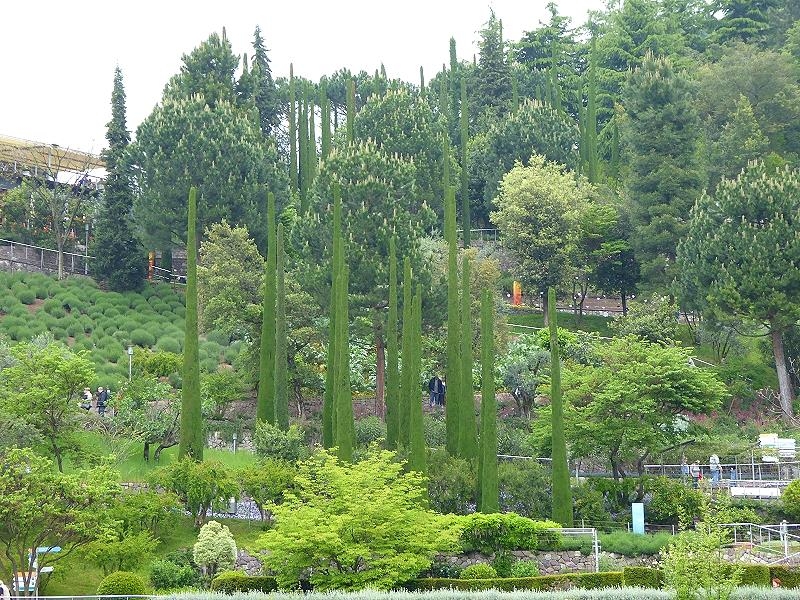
49	160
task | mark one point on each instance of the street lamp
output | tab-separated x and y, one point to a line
130	361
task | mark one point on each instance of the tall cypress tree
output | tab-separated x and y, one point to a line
265	404
293	175
345	427
392	368
590	128
281	355
328	405
120	259
407	381
325	118
351	109
191	433
453	395
562	494
416	436
302	148
466	218
489	493
312	142
467	427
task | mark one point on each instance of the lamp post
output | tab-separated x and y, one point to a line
130	361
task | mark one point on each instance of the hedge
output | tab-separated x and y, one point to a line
643	577
587	581
790	578
121	583
756	575
236	581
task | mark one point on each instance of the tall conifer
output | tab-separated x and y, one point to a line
191	432
328	405
302	148
590	129
313	163
489	494
392	368
416	436
562	494
265	403
325	118
466	218
467	427
453	377
345	428
281	356
293	175
407	381
351	109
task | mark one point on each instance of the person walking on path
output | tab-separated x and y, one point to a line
697	473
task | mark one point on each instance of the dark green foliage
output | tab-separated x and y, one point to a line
416	436
121	583
119	259
451	484
757	575
230	582
562	495
293	175
493	76
369	430
265	405
192	439
325	118
453	326
588	581
167	575
525	489
281	356
266	95
351	109
489	493
466	219
408	387
392	355
467	426
642	577
789	578
331	369
343	398
478	571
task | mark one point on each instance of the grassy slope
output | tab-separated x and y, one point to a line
594	323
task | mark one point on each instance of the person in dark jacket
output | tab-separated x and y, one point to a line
436	389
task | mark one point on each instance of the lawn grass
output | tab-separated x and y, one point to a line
531	318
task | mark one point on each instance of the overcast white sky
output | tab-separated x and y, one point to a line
58	57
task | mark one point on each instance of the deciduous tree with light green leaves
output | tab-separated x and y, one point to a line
354	526
215	549
741	256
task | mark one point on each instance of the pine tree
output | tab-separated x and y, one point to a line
328	406
266	94
466	219
453	395
191	433
265	404
281	353
467	427
416	437
325	118
392	370
407	381
489	493
120	259
562	494
293	174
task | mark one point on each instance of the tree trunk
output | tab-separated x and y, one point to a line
60	246
147	452
624	298
785	386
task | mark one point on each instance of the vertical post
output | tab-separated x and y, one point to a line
130	362
596	545
86	251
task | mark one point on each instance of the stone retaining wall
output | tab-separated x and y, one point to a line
552	563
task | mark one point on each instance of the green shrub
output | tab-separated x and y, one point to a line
209	365
24	294
525	568
168	344
229	582
271	441
643	577
142	337
7	302
54	307
451	483
13	321
634	544
19	334
218	337
121	583
789	578
502	563
210	350
435	431
167	575
525	489
58	333
478	571
368	430
589	581
506	531
756	575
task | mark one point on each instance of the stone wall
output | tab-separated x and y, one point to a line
552	563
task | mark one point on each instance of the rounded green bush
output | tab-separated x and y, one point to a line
164	290
59	333
525	568
54	308
20	333
7	302
210	350
121	583
479	571
20	310
168	344
111	313
10	321
142	337
24	293
209	365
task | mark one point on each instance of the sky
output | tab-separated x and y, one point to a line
59	57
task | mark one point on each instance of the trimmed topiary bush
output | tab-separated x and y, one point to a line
479	571
789	578
235	581
588	581
142	337
525	568
168	344
121	583
54	307
643	577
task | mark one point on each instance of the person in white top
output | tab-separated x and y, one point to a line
714	467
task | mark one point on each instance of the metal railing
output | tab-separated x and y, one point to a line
752	472
482	235
44	259
770	544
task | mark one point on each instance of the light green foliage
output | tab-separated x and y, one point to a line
121	583
536	211
392	399
42	386
229	279
490	533
191	435
273	442
267	482
354	526
790	498
654	319
523	369
215	549
218	390
281	342
197	484
41	507
416	435
740	141
741	255
115	552
409	388
525	568
671	500
478	571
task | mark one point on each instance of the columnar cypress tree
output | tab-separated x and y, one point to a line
466	219
562	494
265	404
489	493
467	427
453	395
191	433
407	381
325	118
392	370
328	406
302	147
590	129
293	180
351	109
312	142
455	77
345	428
281	356
421	82
416	437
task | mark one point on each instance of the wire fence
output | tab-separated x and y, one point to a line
45	259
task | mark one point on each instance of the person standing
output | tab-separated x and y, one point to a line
86	402
696	472
102	398
714	467
436	389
